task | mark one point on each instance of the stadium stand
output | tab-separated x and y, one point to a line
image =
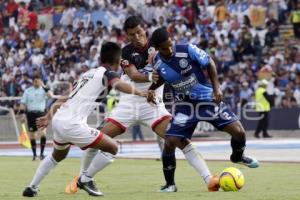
61	39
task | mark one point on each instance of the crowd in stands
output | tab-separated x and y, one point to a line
61	39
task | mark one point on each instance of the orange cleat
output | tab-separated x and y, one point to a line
71	187
213	185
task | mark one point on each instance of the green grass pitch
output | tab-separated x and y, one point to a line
128	179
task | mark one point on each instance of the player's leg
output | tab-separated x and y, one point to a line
111	128
59	153
168	157
221	117
181	129
108	148
32	132
238	144
43	141
259	126
195	159
32	137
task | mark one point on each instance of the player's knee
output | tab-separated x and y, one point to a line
58	157
114	148
171	142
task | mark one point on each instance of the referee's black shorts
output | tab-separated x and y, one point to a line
31	119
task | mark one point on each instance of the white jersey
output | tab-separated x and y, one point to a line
82	99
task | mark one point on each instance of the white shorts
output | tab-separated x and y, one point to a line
127	113
81	135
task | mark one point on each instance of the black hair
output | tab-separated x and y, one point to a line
159	36
132	22
36	76
110	52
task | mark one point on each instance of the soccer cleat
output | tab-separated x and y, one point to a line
89	187
248	161
71	187
30	192
33	158
168	188
213	184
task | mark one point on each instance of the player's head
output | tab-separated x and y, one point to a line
162	42
110	54
136	34
36	81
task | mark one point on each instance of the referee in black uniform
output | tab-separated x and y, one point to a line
33	103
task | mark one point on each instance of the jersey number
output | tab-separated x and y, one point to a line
77	86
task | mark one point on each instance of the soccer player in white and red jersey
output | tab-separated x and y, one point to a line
70	126
138	72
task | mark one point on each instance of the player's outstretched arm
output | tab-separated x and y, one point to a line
126	88
135	75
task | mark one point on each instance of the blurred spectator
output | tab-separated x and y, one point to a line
65	40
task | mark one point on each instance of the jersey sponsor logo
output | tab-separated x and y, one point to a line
183	63
163	71
180	119
185	84
186	70
181	55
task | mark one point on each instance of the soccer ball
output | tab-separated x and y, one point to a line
231	179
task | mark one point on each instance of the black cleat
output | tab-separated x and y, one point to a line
89	187
247	161
33	158
29	192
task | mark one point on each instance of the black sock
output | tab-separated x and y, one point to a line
33	146
43	144
169	166
238	146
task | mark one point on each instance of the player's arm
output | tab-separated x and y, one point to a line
126	88
213	76
42	122
151	94
135	75
204	60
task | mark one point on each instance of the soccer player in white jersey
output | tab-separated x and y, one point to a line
70	126
131	109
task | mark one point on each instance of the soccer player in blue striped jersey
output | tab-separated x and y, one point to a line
192	76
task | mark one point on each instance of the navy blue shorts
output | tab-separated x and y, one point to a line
187	116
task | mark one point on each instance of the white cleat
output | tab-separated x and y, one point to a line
168	188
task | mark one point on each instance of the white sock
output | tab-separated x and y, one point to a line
195	159
100	161
44	168
86	159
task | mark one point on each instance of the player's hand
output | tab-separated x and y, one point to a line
151	97
155	76
42	122
151	56
218	95
143	93
124	63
